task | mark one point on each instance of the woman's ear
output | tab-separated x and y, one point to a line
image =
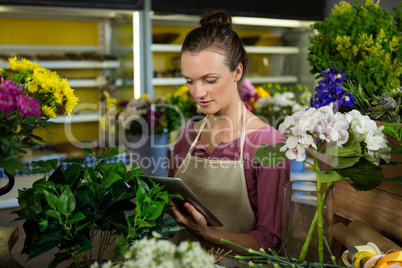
238	72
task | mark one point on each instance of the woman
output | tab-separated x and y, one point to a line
214	156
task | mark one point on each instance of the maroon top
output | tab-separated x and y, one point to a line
264	184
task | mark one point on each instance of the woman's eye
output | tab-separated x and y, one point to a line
211	81
189	82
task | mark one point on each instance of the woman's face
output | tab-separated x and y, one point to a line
210	81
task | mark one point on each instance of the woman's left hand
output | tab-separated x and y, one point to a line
192	219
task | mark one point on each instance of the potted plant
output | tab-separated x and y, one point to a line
364	41
29	96
72	206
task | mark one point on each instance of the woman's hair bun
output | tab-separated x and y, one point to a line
216	19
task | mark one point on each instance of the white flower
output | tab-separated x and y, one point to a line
294	150
366	130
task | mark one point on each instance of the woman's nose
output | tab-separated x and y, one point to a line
199	91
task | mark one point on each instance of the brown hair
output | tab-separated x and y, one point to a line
216	31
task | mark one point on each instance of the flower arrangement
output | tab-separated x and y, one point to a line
276	102
144	117
248	94
29	96
154	252
185	104
364	42
351	145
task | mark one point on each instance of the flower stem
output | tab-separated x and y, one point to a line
317	220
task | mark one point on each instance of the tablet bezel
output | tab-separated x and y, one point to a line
176	185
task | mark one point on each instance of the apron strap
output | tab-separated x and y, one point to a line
243	133
198	136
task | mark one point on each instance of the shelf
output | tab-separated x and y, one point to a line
272	50
273	79
47	48
74	64
249	49
253	79
77	118
168	81
76	83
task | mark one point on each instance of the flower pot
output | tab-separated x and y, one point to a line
150	153
296	166
300	206
10	184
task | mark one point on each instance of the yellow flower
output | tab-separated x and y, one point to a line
168	96
72	100
109	101
262	93
182	92
146	96
16	131
32	85
48	111
23	65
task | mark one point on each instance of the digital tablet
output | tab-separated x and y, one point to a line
176	185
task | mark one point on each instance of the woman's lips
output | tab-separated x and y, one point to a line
204	103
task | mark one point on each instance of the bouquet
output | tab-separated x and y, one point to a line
182	106
276	102
29	96
153	252
144	117
350	144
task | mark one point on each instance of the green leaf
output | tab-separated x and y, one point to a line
47	164
113	151
142	196
66	202
87	149
11	165
39	249
330	176
110	178
43	225
77	217
394	130
51	199
344	162
59	258
396	149
269	155
153	210
141	223
122	246
364	176
74	160
54	214
167	226
89	197
84	243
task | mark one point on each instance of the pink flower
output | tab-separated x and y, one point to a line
12	88
28	106
7	103
247	90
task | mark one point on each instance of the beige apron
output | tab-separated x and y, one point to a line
221	185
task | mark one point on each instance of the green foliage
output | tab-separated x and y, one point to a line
363	42
68	208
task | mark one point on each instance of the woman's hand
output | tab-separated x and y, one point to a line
192	219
